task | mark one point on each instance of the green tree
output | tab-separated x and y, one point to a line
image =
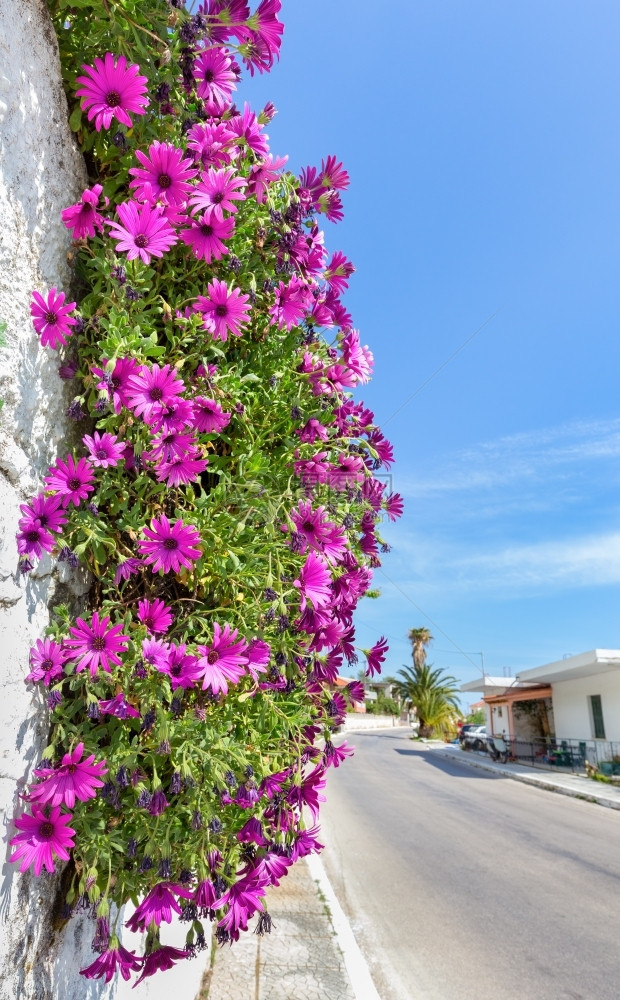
434	695
419	638
383	706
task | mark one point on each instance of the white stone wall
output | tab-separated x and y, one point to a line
40	173
356	720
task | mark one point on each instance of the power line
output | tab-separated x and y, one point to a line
441	367
428	618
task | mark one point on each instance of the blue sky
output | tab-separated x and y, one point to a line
483	145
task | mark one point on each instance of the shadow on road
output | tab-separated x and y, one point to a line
448	765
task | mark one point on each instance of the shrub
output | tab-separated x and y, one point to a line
224	500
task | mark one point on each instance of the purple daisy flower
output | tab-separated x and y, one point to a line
313	582
172	445
83	217
145	232
210	143
348	472
51	319
309	792
155	652
182	469
264	43
306	843
166	175
292	302
224	311
333	756
223	660
215	76
74	779
117	382
263	174
107	964
243	899
155	615
394	506
105	450
252	833
218	190
158	804
46	659
33	539
314	530
168	547
126	569
120	707
355	691
175	416
358	358
68	370
48	511
258	654
277	866
71	480
209	416
160	960
249	131
376	656
42	836
182	668
111	89
205	895
158	906
206	234
96	644
151	390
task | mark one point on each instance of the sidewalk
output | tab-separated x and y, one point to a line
566	784
299	959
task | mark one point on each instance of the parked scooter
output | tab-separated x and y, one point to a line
497	748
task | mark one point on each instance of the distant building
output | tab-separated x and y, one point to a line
577	698
586	694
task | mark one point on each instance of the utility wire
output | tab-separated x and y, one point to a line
428	618
437	370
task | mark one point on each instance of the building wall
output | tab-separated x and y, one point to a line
369	721
41	172
572	706
498	719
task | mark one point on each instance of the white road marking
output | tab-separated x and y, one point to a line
355	963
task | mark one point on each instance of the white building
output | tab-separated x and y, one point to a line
586	694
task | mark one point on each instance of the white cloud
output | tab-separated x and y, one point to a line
586	561
524	459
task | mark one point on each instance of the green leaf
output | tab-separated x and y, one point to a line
76	118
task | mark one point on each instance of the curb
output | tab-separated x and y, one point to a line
530	779
355	963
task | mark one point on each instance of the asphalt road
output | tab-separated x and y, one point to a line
462	885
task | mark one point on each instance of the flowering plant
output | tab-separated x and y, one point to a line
224	499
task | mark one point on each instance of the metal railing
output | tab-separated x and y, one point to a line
567	755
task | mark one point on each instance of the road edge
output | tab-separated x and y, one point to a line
357	968
546	784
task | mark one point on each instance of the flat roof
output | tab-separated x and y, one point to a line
489	685
596	661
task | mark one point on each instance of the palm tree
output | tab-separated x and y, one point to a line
419	638
432	693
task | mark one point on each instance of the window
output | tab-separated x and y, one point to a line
596	712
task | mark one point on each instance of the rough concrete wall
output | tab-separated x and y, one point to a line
40	173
